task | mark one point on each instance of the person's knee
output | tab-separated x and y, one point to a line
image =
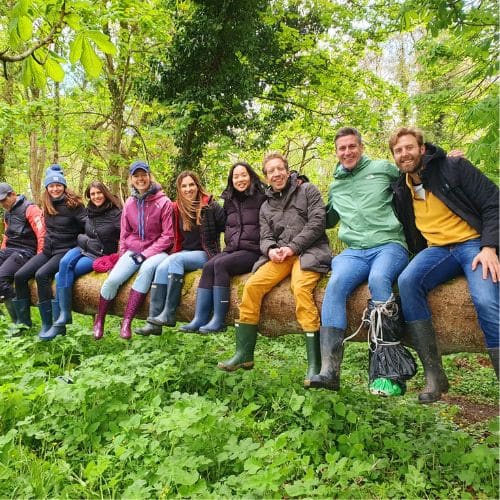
379	281
219	266
337	286
405	282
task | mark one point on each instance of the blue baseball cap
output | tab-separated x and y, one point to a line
138	165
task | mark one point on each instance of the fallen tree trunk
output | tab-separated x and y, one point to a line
454	315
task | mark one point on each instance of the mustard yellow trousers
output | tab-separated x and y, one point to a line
267	277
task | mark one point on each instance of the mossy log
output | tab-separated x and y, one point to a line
454	315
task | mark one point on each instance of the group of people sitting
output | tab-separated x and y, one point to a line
437	207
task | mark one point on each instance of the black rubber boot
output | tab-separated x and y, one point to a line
23	312
423	338
11	310
204	304
156	303
313	357
55	329
493	352
64	296
332	351
246	338
167	316
45	309
221	306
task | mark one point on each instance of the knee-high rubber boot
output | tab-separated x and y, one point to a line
23	312
204	303
156	303
100	317
65	299
135	300
45	309
55	329
11	310
221	306
167	316
332	351
246	338
493	352
313	357
423	338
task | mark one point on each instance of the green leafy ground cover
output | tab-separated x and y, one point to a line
154	418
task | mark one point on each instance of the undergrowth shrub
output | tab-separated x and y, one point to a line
155	418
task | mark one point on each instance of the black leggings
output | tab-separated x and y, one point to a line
11	260
219	269
43	268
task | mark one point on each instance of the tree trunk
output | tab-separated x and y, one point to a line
454	315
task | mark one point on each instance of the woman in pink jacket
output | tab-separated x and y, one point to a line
146	232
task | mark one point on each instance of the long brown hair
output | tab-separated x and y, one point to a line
190	210
114	200
72	201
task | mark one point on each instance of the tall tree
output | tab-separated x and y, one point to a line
458	73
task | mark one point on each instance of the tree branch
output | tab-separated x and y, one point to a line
41	43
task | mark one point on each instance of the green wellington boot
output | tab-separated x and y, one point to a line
313	357
246	338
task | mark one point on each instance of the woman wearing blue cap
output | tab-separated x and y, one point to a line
65	218
146	234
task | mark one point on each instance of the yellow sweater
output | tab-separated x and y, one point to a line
437	223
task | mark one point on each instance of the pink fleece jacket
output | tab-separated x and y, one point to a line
147	226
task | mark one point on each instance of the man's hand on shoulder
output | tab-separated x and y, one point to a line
488	259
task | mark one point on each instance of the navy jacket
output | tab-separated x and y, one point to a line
242	224
464	189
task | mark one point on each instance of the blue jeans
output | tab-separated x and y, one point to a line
434	266
180	263
146	272
123	270
379	265
72	266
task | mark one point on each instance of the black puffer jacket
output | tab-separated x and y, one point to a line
464	189
102	231
242	224
62	229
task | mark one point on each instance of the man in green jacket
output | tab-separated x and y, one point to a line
360	197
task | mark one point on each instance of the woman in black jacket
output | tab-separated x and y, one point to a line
65	218
242	197
101	236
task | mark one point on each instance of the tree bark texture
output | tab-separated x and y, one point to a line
454	316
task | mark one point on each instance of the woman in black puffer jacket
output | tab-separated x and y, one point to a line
65	218
242	197
101	236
